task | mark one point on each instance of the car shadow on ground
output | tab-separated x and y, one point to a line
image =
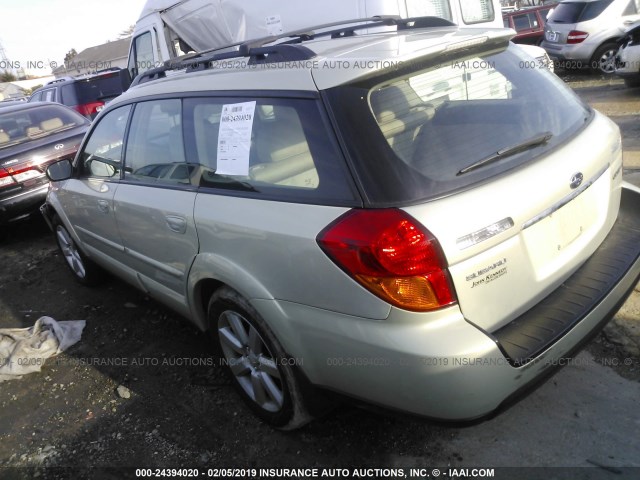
142	388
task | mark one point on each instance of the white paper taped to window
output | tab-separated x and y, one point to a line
274	25
234	138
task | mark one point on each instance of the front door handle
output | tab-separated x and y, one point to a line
176	224
103	206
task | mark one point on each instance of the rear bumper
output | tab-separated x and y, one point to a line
439	365
22	203
577	55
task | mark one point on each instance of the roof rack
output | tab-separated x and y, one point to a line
58	80
266	50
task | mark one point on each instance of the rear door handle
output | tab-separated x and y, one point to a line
176	224
103	206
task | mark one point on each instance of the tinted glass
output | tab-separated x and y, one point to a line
102	154
412	137
35	123
521	22
593	9
100	88
155	149
273	147
567	12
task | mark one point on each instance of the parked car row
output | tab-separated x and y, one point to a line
33	135
415	236
86	94
597	34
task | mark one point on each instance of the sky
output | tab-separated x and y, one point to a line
39	33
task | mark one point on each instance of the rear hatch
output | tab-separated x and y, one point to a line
518	181
88	96
564	24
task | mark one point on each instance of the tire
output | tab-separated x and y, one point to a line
259	369
83	269
604	58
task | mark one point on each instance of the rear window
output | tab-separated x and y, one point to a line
567	12
575	12
416	137
104	87
35	123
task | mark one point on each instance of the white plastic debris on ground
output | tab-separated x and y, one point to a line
24	350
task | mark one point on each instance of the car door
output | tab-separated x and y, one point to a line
154	202
88	198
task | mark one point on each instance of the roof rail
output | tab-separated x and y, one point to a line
61	79
266	50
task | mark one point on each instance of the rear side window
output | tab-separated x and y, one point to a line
436	130
575	12
102	154
155	149
593	9
567	12
272	147
476	11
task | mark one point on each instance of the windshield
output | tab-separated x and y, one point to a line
415	137
34	123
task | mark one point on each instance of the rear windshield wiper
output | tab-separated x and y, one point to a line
506	152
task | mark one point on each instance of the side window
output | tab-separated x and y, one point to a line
544	13
102	154
476	11
36	97
525	22
272	146
505	20
155	149
49	95
141	55
631	9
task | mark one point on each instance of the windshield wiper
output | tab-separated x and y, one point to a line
506	152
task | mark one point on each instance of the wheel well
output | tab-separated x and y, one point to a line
204	290
613	40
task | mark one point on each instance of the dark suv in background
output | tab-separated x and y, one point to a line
88	94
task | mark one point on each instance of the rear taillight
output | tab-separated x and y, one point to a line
89	109
22	174
5	178
576	36
392	255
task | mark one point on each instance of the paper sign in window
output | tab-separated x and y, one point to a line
234	138
274	25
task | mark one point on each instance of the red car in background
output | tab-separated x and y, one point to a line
528	23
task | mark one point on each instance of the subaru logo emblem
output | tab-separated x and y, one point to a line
576	180
59	146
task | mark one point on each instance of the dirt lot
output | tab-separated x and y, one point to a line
70	422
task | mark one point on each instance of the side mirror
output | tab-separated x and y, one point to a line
60	170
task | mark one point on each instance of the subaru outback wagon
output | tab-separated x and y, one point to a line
389	216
